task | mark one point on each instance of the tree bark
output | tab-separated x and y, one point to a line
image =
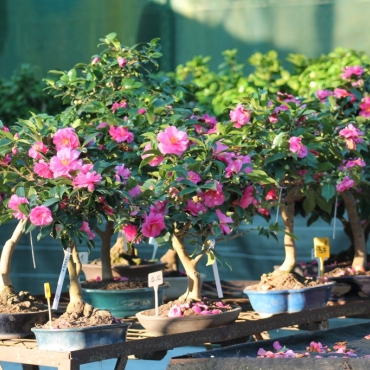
359	240
287	212
75	291
193	291
6	286
106	237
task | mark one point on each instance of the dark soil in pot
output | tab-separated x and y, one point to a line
20	302
115	284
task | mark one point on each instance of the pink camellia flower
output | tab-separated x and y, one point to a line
224	221
4	128
194	208
66	138
65	161
239	116
172	141
122	172
233	168
345	184
153	225
130	231
159	207
212	198
222	154
41	216
86	227
247	197
141	111
42	169
355	162
323	94
86	180
156	161
102	125
135	191
6	160
15	150
351	135
175	311
271	195
85	168
121	134
193	177
342	93
365	107
211	121
36	149
116	105
13	204
349	71
263	211
296	146
121	61
95	60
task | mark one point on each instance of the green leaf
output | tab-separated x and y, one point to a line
328	191
309	203
187	191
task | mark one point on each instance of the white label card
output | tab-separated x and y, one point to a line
84	257
155	278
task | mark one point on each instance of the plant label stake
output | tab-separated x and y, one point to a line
153	242
154	280
67	255
84	257
220	294
321	248
48	295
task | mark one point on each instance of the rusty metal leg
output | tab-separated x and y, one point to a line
28	367
121	363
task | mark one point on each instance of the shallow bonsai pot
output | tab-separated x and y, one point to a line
350	287
273	302
158	325
92	271
18	325
125	302
178	286
72	339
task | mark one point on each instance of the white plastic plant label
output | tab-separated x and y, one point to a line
58	291
154	280
84	257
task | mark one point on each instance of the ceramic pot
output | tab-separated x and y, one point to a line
158	325
126	302
177	286
92	271
273	302
18	325
72	339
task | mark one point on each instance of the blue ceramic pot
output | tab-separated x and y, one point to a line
73	339
273	302
123	303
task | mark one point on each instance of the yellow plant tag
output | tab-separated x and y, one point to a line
321	247
47	290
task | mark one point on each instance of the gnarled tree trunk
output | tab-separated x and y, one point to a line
6	286
106	238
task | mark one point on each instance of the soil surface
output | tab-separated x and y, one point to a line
90	317
281	280
346	271
186	309
21	302
115	284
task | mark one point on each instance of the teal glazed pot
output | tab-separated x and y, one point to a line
73	339
273	302
126	302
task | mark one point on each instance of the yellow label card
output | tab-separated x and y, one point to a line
47	290
321	247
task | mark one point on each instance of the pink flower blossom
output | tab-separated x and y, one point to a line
349	71
41	216
42	169
248	197
122	172
36	149
102	125
342	93
222	154
224	221
355	162
263	211
121	134
130	231
121	61
239	116
351	135
86	180
66	138
156	161
153	225
212	198
172	141
194	177
295	146
323	94
365	107
345	184
6	160
116	105
65	161
86	228
194	208
175	311
277	346
271	195
141	111
233	168
135	191
95	60
13	204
